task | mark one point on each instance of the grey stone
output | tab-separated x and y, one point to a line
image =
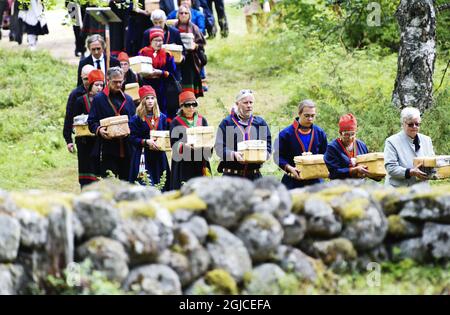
12	279
427	208
294	227
33	228
227	198
293	260
436	238
9	238
271	196
411	248
153	280
97	216
136	192
182	215
375	255
321	219
337	253
198	226
265	279
228	252
399	228
369	231
7	204
261	234
106	255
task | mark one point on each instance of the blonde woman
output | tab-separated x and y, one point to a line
154	162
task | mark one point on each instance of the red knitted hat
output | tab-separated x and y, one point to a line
347	123
186	96
96	75
156	32
123	56
146	90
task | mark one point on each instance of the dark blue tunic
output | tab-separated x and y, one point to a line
68	119
287	146
229	135
337	160
155	161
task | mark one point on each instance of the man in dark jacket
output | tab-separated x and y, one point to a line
96	45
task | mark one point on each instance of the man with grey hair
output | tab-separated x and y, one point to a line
301	137
114	154
171	34
401	149
96	45
241	125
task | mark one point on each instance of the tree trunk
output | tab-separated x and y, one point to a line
417	54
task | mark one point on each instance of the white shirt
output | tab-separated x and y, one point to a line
102	63
175	4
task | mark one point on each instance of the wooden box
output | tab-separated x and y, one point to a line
80	125
253	151
437	167
175	50
311	166
116	126
132	89
162	139
374	162
151	5
142	65
188	40
201	137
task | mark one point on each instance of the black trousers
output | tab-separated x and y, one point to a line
221	16
120	167
3	4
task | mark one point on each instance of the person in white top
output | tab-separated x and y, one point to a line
401	149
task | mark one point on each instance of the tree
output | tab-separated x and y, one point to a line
417	53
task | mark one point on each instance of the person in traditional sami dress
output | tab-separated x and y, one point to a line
74	94
300	137
87	164
187	162
154	161
129	75
195	59
114	152
341	153
239	126
164	77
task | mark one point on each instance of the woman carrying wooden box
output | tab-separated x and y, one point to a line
187	161
147	158
303	136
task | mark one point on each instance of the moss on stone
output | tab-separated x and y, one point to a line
42	202
333	192
188	202
298	202
222	281
176	248
247	278
212	236
396	225
263	221
355	209
437	191
171	195
136	209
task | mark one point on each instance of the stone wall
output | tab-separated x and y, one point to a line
221	235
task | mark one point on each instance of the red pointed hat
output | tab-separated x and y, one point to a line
186	96
145	91
123	56
156	32
347	123
96	75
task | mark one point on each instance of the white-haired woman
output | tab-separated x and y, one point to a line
401	149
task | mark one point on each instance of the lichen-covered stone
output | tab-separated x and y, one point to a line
375	255
98	217
294	227
136	192
215	282
336	253
398	227
9	238
106	255
265	279
412	248
271	196
321	219
12	279
293	260
227	198
436	237
228	252
33	228
198	226
7	204
153	280
433	206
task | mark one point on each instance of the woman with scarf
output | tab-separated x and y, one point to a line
187	162
195	58
87	164
164	78
154	163
300	137
341	153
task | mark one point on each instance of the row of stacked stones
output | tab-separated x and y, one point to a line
222	235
